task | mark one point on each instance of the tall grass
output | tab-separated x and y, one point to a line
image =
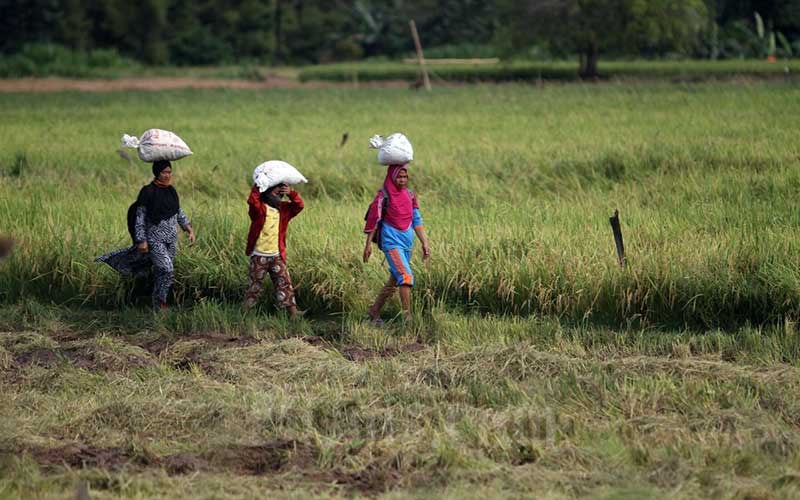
516	185
513	386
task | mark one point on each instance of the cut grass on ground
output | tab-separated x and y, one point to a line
534	408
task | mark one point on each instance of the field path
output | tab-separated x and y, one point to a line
170	83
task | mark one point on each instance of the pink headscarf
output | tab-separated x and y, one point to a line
400	211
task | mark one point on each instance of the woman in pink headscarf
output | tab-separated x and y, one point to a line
392	220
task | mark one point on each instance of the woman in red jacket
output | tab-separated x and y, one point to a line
266	244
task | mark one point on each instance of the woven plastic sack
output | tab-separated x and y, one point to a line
394	150
274	172
157	145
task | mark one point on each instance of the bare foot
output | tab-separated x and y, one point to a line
373	321
294	312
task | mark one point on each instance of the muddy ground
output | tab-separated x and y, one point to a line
270	458
95	358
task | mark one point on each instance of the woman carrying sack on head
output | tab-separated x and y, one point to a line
394	215
158	215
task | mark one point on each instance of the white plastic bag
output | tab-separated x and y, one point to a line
274	172
156	145
394	150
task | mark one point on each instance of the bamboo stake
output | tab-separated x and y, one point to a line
426	81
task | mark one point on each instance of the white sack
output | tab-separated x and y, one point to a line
157	145
394	150
274	172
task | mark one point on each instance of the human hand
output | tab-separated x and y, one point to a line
426	252
192	237
142	247
367	252
284	190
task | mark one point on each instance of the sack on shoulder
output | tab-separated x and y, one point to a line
376	236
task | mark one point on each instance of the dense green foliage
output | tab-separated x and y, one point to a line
182	32
40	60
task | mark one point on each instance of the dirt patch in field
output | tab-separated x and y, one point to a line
171	83
82	456
129	354
273	457
40	356
159	345
184	463
242	460
371	480
90	358
193	351
316	341
359	354
182	353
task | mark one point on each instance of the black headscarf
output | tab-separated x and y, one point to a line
159	166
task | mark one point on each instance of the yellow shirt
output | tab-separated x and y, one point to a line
267	243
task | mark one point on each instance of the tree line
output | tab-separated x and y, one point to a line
206	32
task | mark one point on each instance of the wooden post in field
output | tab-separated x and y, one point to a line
426	81
82	491
614	220
6	244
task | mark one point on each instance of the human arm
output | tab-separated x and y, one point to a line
295	203
368	245
183	221
426	251
255	207
419	229
140	233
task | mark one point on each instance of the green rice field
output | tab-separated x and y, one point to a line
535	366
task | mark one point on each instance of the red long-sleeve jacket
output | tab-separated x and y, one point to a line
258	215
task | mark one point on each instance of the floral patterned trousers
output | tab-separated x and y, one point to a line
260	266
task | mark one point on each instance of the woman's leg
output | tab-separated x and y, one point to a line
161	256
399	260
405	289
405	300
386	292
258	270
